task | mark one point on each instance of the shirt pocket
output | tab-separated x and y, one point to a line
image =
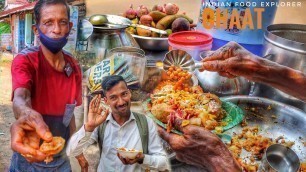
69	111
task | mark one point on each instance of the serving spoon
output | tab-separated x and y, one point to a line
179	58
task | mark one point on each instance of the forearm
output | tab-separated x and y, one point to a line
22	102
78	142
290	81
89	128
21	108
224	162
72	126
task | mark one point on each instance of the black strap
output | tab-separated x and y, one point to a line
143	129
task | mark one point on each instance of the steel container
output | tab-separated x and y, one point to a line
152	43
279	158
105	38
284	44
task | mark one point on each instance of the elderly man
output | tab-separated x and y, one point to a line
120	128
46	88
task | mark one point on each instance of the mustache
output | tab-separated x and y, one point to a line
120	106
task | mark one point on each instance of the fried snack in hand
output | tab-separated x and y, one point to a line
52	148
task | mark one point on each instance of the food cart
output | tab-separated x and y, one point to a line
274	118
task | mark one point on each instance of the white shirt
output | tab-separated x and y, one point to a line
116	136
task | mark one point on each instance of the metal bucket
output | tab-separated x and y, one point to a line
286	44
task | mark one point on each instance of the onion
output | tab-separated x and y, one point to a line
158	8
146	20
142	10
171	9
195	121
130	13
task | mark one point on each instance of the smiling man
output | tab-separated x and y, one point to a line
120	128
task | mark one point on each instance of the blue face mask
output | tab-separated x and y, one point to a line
54	45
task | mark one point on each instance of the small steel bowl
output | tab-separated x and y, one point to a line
279	158
152	43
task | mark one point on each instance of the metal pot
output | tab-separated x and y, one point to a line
152	43
103	39
286	45
221	86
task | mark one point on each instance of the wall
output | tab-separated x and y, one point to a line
291	14
15	26
192	7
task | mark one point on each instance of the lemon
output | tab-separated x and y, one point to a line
98	20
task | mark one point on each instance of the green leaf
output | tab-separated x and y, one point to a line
5	28
234	116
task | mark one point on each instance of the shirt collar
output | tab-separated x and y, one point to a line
111	119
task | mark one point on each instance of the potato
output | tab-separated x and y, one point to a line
143	32
161	112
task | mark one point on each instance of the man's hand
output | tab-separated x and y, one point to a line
83	162
26	133
200	147
233	60
139	159
95	116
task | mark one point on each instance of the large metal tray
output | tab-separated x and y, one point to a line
274	119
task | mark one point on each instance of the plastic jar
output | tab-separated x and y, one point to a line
193	42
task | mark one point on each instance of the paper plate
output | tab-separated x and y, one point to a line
234	116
